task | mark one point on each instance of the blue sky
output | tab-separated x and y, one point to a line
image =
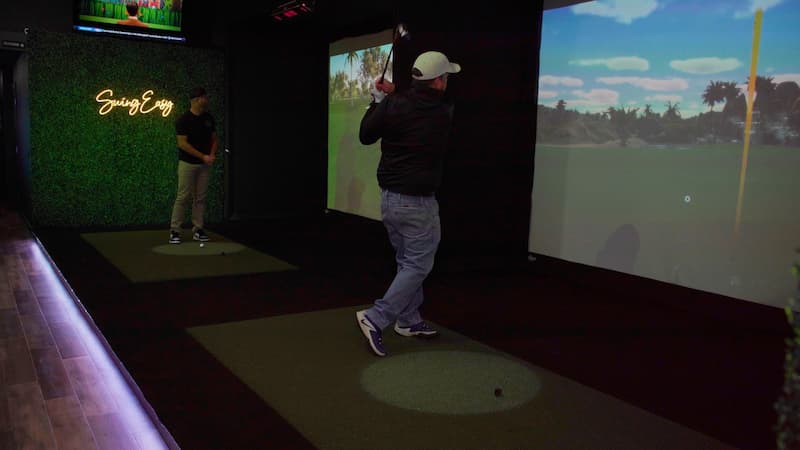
628	53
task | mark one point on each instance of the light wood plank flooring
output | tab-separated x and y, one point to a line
60	387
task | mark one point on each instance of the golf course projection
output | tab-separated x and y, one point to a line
354	64
654	154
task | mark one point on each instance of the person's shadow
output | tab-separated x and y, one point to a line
355	191
620	250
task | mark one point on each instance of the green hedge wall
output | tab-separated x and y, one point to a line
89	169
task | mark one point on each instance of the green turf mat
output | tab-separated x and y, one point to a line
144	256
449	392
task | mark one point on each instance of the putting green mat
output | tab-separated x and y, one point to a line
144	256
449	392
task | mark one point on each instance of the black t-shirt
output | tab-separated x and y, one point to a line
198	131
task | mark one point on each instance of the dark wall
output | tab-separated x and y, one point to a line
486	191
16	15
279	116
278	83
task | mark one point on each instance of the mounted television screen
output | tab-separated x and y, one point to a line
144	19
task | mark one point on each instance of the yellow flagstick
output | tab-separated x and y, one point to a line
751	88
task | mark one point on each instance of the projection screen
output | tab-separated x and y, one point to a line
354	63
655	157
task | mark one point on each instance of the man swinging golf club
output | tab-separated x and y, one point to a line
413	127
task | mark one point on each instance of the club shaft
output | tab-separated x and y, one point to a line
386	64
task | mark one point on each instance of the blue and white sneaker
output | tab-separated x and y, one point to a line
371	332
421	329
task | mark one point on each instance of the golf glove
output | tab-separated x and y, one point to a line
377	94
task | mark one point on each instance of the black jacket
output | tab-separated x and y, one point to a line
413	127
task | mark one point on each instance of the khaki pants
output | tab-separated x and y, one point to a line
192	188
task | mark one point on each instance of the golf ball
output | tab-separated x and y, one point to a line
202	244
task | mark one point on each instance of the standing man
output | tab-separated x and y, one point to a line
197	150
413	127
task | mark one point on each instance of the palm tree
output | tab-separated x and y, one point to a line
672	112
339	85
765	88
352	56
713	94
561	108
794	114
648	123
371	65
731	93
785	94
733	96
622	119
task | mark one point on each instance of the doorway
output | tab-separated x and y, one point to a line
8	131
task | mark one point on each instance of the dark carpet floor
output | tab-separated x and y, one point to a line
710	363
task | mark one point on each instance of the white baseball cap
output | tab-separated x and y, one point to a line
430	65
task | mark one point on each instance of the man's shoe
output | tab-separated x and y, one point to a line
371	332
421	329
200	235
174	237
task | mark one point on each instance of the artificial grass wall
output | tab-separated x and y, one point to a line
113	169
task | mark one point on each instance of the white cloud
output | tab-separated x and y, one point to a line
743	88
692	109
563	81
547	94
664	98
754	5
595	100
648	84
595	97
618	63
622	11
704	66
782	77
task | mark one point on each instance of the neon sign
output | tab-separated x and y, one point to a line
135	106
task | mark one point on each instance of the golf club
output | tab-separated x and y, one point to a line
400	32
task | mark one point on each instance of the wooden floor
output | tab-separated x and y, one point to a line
59	386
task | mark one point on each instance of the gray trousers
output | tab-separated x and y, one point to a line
192	188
